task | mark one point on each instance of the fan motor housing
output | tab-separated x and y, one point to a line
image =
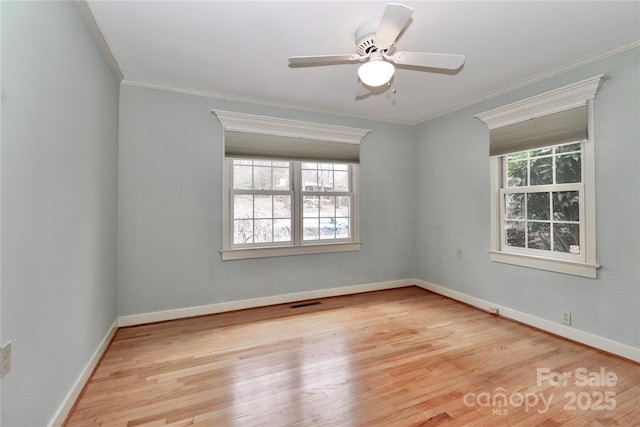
365	35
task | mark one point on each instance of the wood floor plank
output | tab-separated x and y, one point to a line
402	357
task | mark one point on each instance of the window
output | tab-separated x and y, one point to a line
326	201
262	202
267	194
290	188
542	202
543	181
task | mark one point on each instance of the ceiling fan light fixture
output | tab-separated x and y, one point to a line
376	72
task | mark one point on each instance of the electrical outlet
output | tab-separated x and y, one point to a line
5	359
566	317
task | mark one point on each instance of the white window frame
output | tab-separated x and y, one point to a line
567	97
255	192
546	188
301	192
288	128
298	246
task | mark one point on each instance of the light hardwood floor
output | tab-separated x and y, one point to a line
402	357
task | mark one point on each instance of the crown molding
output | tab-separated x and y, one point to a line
249	123
564	98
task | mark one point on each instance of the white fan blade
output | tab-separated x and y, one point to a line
429	60
393	20
320	59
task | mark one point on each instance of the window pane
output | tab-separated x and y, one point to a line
344	207
538	206
539	235
327	228
515	233
568	168
523	155
328	206
311	206
282	230
281	180
242	206
309	179
242	231
282	207
343	228
517	173
325	182
514	205
542	152
542	171
263	206
242	177
262	178
566	206
311	229
263	231
341	180
577	146
566	238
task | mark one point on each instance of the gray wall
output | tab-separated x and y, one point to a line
59	204
170	221
453	188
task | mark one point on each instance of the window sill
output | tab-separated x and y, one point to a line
277	251
548	264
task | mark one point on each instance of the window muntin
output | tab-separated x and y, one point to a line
542	202
282	203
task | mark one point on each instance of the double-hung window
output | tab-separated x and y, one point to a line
326	192
543	180
542	202
284	203
261	202
289	187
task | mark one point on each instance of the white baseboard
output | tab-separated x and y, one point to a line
610	346
68	402
160	316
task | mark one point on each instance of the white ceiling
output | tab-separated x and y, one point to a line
240	49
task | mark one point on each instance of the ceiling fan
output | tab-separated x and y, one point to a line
376	44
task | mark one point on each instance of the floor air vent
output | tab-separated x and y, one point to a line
306	304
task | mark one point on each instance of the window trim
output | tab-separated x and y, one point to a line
261	125
571	96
